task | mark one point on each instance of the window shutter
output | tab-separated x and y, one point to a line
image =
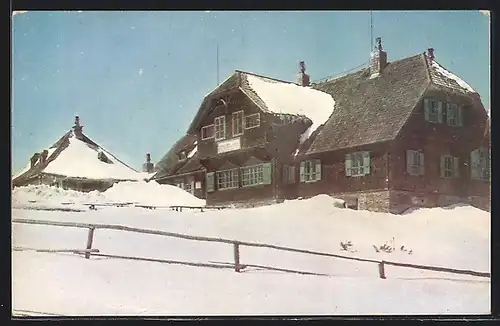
302	171
267	172
348	165
440	112
474	164
426	109
366	162
224	126
211	182
456	165
460	119
421	168
318	170
441	167
409	156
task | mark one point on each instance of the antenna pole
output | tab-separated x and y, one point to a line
371	30
217	63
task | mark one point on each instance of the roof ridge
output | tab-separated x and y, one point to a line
262	76
326	80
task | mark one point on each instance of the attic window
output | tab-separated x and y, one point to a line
252	121
103	158
207	132
182	155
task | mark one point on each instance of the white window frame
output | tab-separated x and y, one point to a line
241	120
310	173
227	179
205	128
449	171
414	162
220	123
455	118
357	164
434	117
252	175
251	116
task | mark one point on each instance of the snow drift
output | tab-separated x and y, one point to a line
140	192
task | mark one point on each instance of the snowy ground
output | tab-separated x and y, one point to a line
456	237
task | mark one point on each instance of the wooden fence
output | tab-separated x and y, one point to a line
236	247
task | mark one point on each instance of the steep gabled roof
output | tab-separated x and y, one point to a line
274	96
370	110
442	77
78	158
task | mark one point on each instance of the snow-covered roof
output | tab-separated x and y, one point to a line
289	98
28	166
79	159
440	70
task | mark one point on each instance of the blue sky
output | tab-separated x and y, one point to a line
136	79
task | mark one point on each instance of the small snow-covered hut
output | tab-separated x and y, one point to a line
76	162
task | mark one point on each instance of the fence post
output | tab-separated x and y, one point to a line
236	247
381	270
90	239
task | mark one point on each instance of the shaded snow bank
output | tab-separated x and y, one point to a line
144	193
151	193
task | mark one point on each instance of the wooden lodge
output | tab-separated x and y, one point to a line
397	135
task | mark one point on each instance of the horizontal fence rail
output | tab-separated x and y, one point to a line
236	244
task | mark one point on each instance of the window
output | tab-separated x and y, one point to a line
433	110
252	121
237	123
357	164
207	132
449	167
414	163
220	128
454	115
480	164
289	174
259	174
227	179
182	156
310	171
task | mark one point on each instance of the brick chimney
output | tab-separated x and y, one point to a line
430	52
148	166
303	78
77	128
378	59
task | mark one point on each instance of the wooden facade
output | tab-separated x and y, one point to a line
384	147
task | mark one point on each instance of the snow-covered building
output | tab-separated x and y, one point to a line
76	162
387	137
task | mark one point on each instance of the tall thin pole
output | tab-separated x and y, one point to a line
371	30
217	63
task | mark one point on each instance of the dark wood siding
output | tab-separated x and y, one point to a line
334	179
250	138
436	140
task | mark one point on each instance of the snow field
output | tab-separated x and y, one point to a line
454	237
